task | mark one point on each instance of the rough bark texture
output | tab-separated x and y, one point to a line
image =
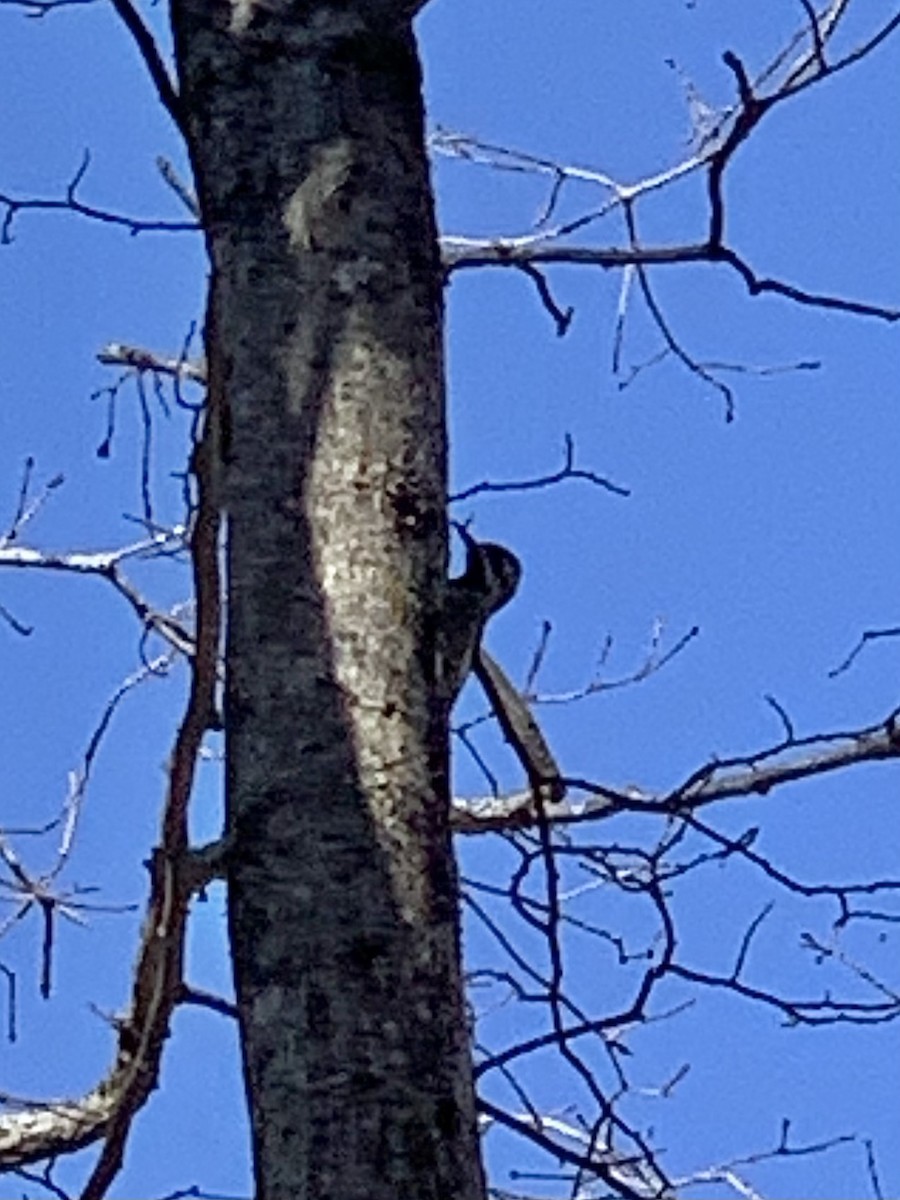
325	372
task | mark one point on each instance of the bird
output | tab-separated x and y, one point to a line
489	582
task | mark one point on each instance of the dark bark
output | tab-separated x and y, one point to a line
326	385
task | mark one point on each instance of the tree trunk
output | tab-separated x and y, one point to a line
324	330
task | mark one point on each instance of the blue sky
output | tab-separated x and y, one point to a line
775	534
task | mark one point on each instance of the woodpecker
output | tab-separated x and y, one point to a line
489	581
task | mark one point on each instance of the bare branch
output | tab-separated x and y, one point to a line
170	176
200	998
783	78
567	471
562	319
139	359
869	635
146	45
720	779
107	1112
106	565
520	728
72	203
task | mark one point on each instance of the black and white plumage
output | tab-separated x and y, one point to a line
489	582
